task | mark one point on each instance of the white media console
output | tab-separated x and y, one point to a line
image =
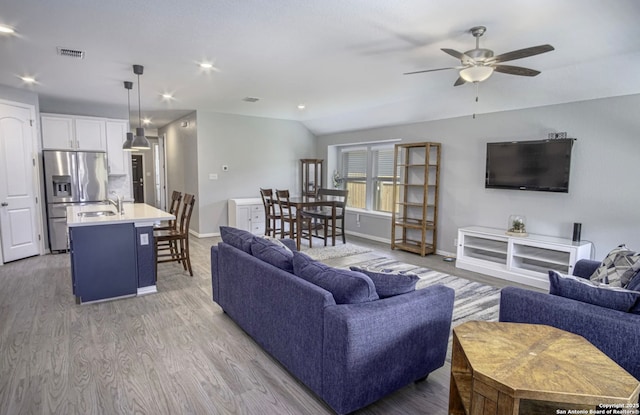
523	259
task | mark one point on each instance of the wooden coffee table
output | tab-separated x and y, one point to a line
514	368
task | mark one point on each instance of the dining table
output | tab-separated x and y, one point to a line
327	204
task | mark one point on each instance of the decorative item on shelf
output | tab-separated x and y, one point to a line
337	179
517	226
557	136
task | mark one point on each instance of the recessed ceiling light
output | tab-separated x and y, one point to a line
6	29
28	79
206	65
302	106
146	121
167	96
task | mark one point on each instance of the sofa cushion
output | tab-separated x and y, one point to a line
277	241
347	287
276	254
582	289
618	268
238	238
389	283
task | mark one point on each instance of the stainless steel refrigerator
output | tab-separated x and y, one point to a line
71	177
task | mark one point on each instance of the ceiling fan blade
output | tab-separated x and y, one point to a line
429	70
459	81
457	54
521	53
515	70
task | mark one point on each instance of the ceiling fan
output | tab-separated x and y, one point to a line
479	64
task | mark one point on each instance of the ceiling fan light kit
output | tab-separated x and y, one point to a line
476	73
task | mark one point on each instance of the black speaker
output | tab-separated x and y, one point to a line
577	229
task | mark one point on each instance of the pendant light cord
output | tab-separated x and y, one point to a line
139	111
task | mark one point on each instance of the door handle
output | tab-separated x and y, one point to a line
4	204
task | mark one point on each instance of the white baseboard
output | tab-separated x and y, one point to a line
151	289
203	235
388	242
370	237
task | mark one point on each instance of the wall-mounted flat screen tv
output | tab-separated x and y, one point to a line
529	165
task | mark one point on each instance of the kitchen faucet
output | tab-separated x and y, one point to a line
117	203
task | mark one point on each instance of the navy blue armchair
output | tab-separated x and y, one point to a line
616	333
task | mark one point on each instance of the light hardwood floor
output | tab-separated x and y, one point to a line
173	352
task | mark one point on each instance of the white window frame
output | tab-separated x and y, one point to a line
371	167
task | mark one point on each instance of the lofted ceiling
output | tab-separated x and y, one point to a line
344	60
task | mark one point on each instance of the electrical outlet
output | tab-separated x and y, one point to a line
144	239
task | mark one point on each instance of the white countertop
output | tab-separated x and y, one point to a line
137	213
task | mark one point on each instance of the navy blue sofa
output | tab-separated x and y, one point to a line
616	333
350	355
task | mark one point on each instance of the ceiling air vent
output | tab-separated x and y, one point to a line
250	99
72	53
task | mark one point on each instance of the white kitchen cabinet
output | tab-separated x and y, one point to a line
57	132
526	260
118	159
247	214
70	132
91	134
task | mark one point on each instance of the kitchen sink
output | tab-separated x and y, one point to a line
96	213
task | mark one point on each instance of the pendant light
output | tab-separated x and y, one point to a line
139	141
126	146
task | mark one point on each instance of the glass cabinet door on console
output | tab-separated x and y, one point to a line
311	176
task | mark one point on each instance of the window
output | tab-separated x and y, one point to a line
367	172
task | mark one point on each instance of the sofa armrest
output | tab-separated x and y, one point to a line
615	333
585	267
215	278
374	348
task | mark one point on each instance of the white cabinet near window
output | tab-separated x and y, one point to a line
526	260
118	159
247	214
70	132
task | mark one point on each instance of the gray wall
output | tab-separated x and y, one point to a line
181	148
89	109
260	152
20	95
603	193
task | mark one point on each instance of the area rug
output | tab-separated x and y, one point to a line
473	301
322	253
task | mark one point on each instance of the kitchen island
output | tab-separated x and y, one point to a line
112	253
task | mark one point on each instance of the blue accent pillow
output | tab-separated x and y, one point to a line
634	283
275	254
347	287
390	283
237	238
582	289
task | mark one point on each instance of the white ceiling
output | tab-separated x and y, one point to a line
343	59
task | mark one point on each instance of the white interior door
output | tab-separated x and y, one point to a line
19	223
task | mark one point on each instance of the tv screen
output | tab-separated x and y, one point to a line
529	165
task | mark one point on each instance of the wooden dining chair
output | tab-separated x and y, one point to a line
272	215
289	216
322	216
176	198
172	245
